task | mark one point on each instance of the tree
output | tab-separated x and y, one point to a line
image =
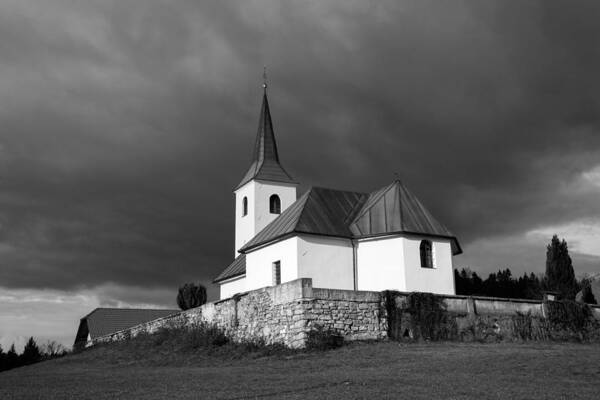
560	276
500	284
31	353
2	359
53	349
12	358
587	296
191	295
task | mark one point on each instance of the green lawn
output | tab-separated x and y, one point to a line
357	371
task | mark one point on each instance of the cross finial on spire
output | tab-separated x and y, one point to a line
264	85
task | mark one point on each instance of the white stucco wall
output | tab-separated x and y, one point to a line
440	278
231	287
380	264
244	225
328	261
389	263
395	263
259	263
258	194
264	190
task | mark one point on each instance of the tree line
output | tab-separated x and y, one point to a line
558	278
32	353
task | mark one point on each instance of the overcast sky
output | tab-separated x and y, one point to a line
124	126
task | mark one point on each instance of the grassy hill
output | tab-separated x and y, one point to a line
356	371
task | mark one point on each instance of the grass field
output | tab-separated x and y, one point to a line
357	371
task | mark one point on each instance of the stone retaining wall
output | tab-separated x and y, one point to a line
289	312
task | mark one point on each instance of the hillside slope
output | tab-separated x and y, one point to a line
361	370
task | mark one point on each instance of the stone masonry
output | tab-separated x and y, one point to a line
289	312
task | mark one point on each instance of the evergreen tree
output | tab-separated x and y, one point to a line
2	359
587	296
506	284
191	295
500	284
560	276
31	353
476	284
12	358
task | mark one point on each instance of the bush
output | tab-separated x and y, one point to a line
191	295
522	325
429	318
202	335
320	338
568	314
587	296
178	342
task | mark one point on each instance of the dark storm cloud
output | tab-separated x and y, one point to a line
125	125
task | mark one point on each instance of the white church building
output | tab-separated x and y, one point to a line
385	239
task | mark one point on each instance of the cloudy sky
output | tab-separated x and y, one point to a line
124	126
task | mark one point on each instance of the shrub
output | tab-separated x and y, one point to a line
587	296
191	295
568	314
320	338
522	325
429	318
202	335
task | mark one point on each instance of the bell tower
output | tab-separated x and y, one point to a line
266	189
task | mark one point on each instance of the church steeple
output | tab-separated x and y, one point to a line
265	161
266	189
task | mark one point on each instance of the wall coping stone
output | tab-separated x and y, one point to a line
346	295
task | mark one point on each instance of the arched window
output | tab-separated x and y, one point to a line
274	204
426	256
244	206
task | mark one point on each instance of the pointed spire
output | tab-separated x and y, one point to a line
265	79
265	161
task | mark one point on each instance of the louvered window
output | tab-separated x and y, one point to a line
426	254
274	204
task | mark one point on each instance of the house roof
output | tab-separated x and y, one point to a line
103	321
390	210
265	161
236	268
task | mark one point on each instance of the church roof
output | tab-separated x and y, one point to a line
395	209
318	211
236	268
265	161
328	212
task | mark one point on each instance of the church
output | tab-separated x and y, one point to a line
382	240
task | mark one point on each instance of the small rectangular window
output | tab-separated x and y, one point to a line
277	273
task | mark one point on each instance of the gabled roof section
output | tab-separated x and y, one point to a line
394	209
103	321
265	161
236	268
319	211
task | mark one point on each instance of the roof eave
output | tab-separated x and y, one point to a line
291	182
280	238
432	235
229	278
